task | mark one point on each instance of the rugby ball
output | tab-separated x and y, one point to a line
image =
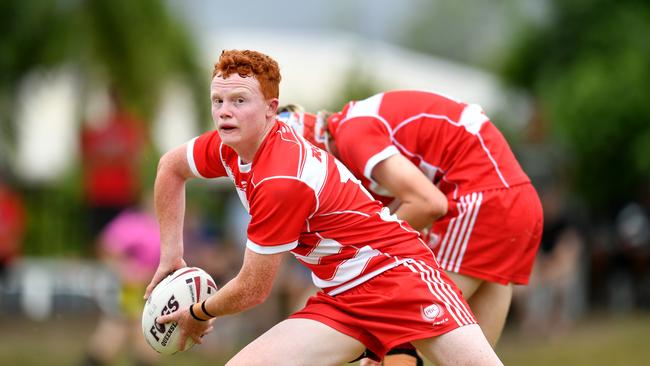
179	290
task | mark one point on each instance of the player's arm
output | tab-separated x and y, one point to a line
275	226
249	288
169	201
421	201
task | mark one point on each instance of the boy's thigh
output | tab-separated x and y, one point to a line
462	346
299	342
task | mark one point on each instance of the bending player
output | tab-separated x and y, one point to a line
303	201
445	168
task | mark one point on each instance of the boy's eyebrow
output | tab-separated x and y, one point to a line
233	93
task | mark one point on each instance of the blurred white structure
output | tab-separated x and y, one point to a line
46	118
314	66
176	119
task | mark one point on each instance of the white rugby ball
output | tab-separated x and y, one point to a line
179	290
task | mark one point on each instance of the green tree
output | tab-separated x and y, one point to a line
135	46
588	70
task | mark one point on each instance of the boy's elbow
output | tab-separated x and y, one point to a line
172	164
164	162
436	207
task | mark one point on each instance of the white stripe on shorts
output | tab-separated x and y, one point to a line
454	243
442	291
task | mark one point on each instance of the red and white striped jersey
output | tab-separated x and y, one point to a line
303	200
453	143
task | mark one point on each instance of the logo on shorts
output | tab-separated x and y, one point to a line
432	312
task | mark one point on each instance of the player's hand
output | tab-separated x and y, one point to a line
369	362
164	269
190	327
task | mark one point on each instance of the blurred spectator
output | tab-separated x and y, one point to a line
206	248
633	257
130	246
111	148
620	258
551	302
12	226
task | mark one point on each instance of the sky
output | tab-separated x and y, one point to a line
373	18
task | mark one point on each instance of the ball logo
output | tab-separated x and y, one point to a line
431	312
157	329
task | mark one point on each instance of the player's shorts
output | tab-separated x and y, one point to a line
491	235
412	301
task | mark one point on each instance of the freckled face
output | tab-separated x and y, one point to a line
240	111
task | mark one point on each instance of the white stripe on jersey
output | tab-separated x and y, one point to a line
366	107
344	212
473	118
463	230
324	248
363	278
348	269
314	169
190	158
468	232
454	244
260	249
442	291
377	158
311	170
494	163
462	311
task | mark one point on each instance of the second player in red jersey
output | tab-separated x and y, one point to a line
444	167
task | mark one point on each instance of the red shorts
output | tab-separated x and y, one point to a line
412	301
492	235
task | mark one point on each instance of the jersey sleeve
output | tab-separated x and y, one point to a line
203	156
362	143
279	209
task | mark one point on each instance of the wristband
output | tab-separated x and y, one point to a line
194	315
206	310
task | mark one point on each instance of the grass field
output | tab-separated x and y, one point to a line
598	340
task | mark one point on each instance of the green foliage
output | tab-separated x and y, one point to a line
34	33
135	46
139	46
589	70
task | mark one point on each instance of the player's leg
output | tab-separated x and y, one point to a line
489	302
299	342
451	348
106	341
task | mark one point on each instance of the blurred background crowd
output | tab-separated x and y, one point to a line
92	92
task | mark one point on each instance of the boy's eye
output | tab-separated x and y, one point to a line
240	100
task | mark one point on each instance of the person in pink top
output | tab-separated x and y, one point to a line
132	243
444	168
130	246
380	284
